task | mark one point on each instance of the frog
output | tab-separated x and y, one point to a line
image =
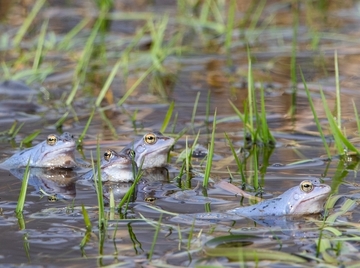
151	150
54	152
114	167
304	199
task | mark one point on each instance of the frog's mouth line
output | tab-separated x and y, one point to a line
126	163
66	148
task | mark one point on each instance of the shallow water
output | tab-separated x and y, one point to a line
54	227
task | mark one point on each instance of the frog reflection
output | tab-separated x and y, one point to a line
54	183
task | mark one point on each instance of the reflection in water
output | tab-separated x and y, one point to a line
51	182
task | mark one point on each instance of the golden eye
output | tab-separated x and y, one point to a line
51	140
150	138
108	155
150	199
306	186
52	198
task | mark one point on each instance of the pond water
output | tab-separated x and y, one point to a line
200	80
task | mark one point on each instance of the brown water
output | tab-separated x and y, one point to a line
54	230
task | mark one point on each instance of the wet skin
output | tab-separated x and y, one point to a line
151	150
117	167
55	152
306	198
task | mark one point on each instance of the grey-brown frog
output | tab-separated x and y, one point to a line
151	150
55	152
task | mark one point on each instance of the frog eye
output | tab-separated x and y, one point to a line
108	155
51	140
130	153
52	198
150	199
306	186
150	138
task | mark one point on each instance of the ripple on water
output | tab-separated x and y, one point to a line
61	213
7	221
53	236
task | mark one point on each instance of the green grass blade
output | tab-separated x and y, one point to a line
327	149
131	190
40	46
87	221
167	117
237	160
28	139
82	136
194	109
135	85
61	121
333	127
99	190
64	43
340	139
210	155
356	116
108	82
230	25
26	24
337	82
108	123
156	234
251	96
21	200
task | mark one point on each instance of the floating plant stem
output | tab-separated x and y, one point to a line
210	154
167	117
317	122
